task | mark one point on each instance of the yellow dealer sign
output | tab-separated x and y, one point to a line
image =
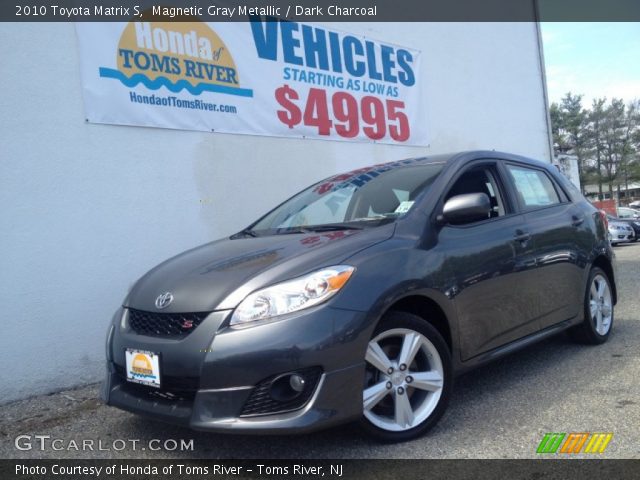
176	56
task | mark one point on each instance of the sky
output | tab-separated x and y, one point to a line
592	59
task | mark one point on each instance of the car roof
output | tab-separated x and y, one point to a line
461	156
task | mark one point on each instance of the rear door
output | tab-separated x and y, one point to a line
558	239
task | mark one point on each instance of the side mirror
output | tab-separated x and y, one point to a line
469	207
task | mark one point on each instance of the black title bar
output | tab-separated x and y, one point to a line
319	469
322	10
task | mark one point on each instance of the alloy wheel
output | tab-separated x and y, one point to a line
600	304
404	381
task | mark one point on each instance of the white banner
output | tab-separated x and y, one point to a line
274	78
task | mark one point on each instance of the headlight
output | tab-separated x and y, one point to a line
293	295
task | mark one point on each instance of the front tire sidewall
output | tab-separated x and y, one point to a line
393	320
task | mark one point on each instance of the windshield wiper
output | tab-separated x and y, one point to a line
331	228
247	232
318	228
293	230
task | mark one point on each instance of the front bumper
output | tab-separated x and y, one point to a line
622	237
226	366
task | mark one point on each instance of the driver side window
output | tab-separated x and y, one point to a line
480	180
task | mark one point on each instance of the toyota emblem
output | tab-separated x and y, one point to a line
164	300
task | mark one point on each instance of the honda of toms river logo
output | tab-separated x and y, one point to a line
178	56
574	442
141	367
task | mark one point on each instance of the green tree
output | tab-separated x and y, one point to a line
556	124
628	147
605	139
571	126
595	120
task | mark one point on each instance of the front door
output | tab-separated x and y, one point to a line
489	264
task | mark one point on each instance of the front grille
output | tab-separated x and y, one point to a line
260	401
172	388
164	324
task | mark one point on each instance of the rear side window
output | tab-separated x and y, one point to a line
533	187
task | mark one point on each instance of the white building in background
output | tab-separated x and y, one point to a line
625	194
88	208
568	165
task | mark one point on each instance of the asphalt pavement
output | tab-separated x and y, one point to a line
501	410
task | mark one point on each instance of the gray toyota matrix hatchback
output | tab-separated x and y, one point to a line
361	297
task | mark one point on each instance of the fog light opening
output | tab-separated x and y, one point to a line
287	387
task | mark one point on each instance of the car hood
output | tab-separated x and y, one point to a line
218	275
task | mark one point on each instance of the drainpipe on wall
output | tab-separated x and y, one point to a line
543	78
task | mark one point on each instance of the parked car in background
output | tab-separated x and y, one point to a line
634	223
361	297
635	204
628	213
620	231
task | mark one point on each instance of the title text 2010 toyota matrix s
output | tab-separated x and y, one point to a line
362	296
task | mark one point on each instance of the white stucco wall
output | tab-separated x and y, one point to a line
86	209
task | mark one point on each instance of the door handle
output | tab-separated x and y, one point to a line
577	220
521	236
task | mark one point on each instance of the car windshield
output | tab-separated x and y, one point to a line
364	197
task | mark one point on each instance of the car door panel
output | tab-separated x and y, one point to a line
558	273
554	225
489	269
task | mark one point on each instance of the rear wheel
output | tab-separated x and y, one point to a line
407	380
598	310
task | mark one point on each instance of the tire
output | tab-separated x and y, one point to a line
598	310
402	400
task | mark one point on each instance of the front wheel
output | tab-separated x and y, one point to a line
407	380
598	310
